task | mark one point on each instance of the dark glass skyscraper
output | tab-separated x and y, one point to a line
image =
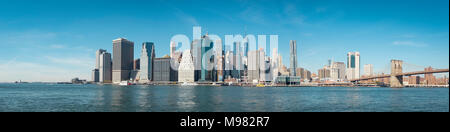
293	58
123	57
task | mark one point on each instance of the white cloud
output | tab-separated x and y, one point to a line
409	43
186	17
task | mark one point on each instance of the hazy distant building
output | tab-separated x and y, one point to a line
147	61
186	71
237	60
253	65
275	65
324	73
430	79
219	60
173	47
123	57
228	64
414	80
368	69
293	57
353	65
105	68
337	71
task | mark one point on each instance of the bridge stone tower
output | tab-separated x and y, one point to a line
396	80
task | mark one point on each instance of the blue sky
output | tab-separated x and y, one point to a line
55	40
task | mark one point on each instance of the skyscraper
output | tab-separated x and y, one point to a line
219	60
353	65
206	54
105	68
172	48
186	69
97	57
253	65
196	51
123	57
368	69
147	58
95	72
293	59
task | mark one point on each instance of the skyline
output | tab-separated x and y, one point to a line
52	40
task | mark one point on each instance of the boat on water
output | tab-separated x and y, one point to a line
188	84
260	85
125	83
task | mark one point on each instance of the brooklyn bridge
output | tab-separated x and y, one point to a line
396	76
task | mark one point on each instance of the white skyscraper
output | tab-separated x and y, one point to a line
95	72
147	59
275	67
368	69
353	65
105	68
186	71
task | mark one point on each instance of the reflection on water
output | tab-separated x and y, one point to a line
41	97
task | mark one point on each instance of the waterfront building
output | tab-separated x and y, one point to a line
300	72
353	65
123	57
105	68
186	71
219	60
237	61
337	71
308	75
205	59
95	72
275	65
147	62
266	70
324	73
287	80
430	79
137	64
95	75
196	51
97	58
368	70
253	66
414	80
293	57
173	47
163	71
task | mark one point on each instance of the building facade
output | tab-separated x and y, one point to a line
293	57
163	72
123	57
105	68
368	70
186	71
353	65
146	62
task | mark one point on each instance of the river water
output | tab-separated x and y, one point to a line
42	97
